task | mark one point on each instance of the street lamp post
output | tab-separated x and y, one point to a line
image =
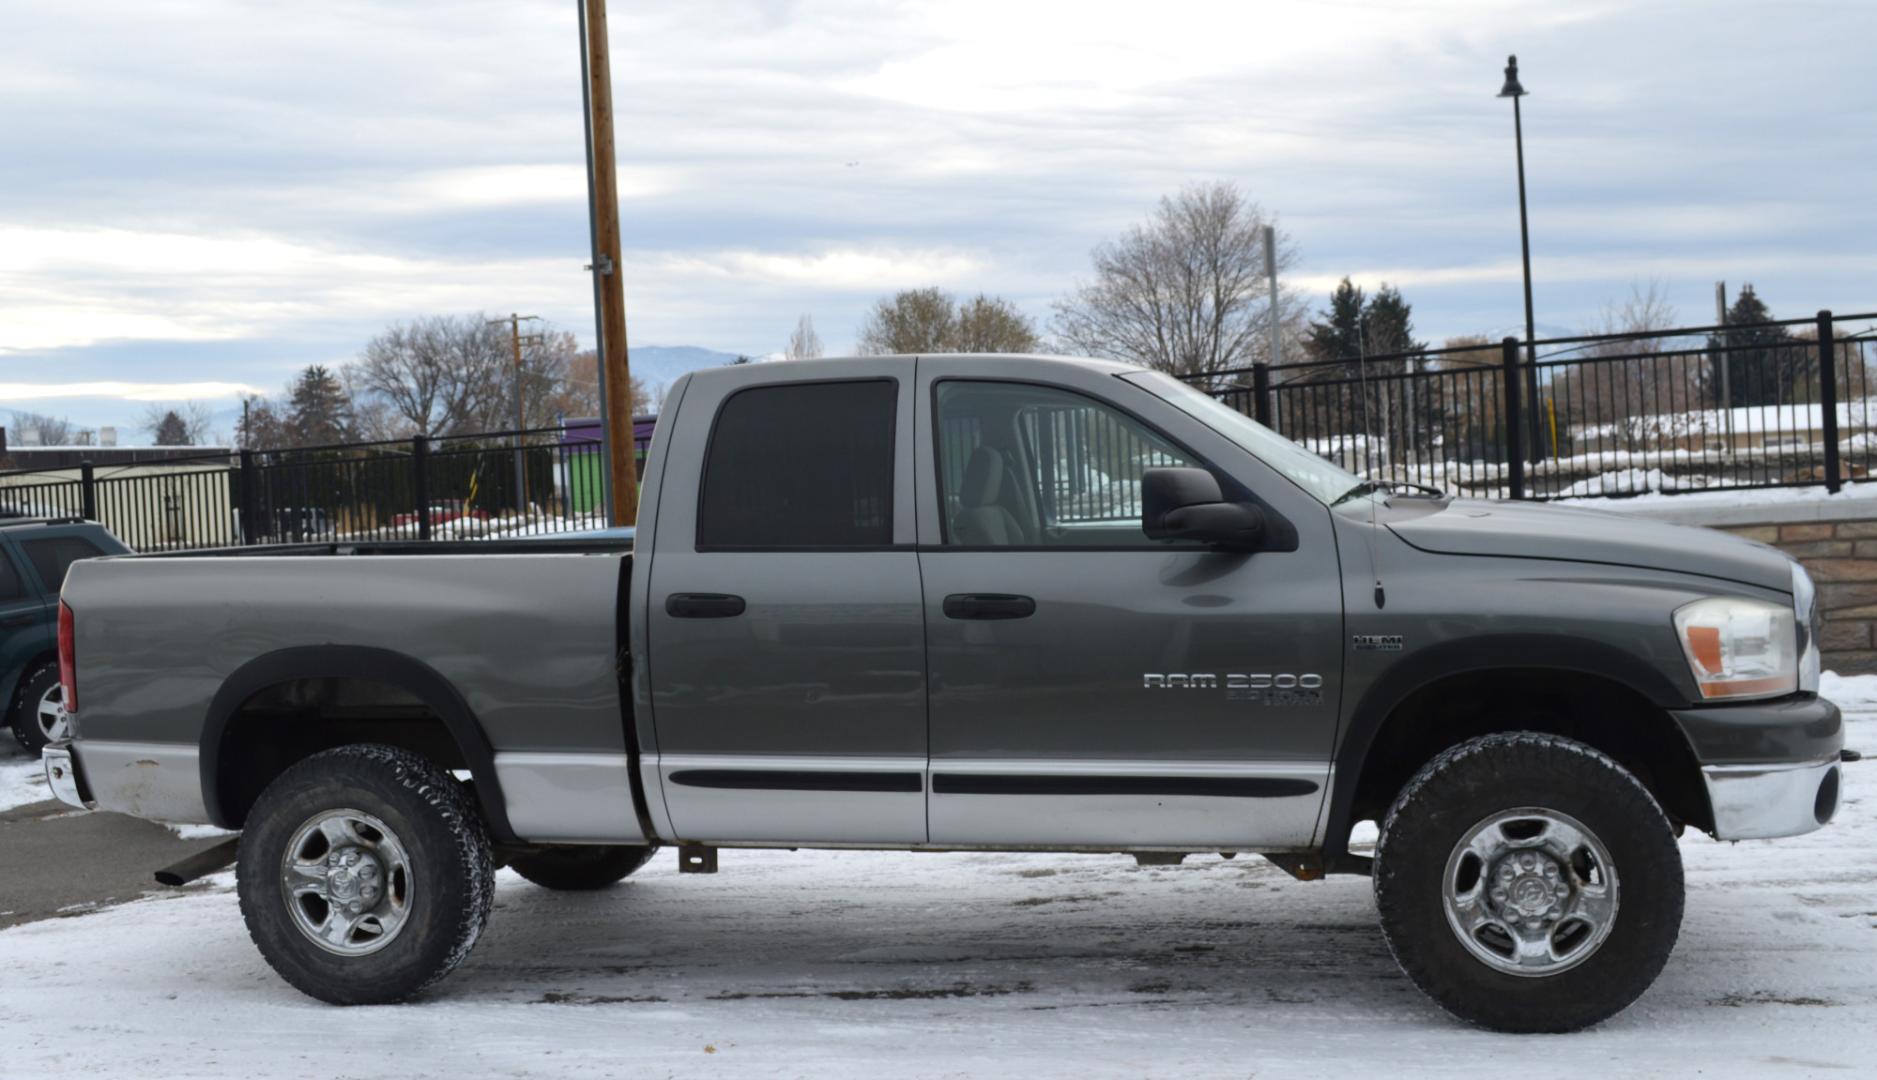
1512	89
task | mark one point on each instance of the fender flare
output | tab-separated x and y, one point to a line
407	673
1461	656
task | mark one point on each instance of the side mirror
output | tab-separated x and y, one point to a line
1186	504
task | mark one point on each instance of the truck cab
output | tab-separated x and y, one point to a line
944	624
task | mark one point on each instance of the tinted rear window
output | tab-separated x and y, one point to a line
54	555
804	465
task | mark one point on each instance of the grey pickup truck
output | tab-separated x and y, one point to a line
1002	603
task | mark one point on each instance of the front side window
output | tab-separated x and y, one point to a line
1022	465
801	466
54	555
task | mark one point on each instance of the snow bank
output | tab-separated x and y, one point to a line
1849	691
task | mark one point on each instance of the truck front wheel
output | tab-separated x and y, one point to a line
581	868
1527	882
365	874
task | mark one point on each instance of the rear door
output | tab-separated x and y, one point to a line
786	641
1091	687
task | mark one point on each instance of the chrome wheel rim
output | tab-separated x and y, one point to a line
1530	892
50	714
347	882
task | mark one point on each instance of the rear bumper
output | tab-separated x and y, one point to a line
1766	800
62	775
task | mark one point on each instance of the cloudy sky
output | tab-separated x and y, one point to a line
199	197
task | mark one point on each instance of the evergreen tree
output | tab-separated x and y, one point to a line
171	430
1338	336
318	411
1763	366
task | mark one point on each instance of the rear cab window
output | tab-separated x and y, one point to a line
801	466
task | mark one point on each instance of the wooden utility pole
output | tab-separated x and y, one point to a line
609	300
517	340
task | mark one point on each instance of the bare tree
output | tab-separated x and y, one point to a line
911	321
804	343
442	375
43	429
578	392
1186	291
1633	393
261	426
987	324
929	320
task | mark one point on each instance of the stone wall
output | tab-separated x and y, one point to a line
1836	540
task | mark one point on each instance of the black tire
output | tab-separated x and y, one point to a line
1459	791
578	868
23	717
452	872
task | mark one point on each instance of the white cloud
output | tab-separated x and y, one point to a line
129	391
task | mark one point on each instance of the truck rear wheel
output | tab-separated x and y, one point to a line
583	867
365	874
1528	883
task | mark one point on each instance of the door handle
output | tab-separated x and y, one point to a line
703	605
20	620
988	606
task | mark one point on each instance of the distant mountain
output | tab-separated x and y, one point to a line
654	365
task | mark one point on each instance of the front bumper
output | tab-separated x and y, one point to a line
1765	800
62	775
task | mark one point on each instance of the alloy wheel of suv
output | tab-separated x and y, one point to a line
38	714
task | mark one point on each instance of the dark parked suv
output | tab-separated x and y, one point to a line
34	555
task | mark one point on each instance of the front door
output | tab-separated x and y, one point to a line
1090	687
787	658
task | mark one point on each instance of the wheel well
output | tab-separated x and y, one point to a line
288	721
1591	709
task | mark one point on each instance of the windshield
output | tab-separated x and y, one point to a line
1324	481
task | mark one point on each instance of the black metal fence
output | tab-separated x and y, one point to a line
1711	408
498	484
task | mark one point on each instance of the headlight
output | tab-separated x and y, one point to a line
1740	648
1805	610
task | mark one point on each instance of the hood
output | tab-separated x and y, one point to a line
1538	531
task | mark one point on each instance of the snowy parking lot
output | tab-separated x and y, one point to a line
874	964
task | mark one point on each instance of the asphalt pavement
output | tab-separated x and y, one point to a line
56	862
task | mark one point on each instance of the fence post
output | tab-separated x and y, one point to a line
1828	401
1515	456
1261	393
245	498
87	491
420	483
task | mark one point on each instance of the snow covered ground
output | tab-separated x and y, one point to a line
865	964
22	778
